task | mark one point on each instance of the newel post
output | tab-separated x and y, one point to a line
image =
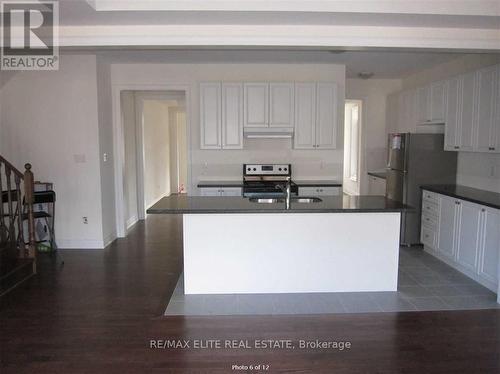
29	188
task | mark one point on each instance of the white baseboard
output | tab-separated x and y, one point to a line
109	239
131	222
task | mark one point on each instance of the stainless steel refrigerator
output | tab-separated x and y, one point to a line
414	160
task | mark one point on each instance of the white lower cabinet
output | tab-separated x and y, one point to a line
220	191
320	191
489	252
463	234
467	245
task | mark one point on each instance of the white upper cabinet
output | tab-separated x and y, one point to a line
326	116
431	103
316	116
210	115
221	115
423	104
437	102
487	128
467	94
281	103
232	115
269	104
256	104
305	116
452	124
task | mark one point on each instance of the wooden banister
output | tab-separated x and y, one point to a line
16	205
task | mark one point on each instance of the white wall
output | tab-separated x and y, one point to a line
105	114
130	163
156	151
373	93
50	119
207	164
478	170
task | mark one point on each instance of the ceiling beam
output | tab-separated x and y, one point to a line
294	36
443	7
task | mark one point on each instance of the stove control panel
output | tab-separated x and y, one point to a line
267	169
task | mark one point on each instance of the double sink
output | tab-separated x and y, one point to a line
302	200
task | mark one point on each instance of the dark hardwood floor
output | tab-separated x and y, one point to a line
98	313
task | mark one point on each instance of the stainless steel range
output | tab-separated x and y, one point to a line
266	180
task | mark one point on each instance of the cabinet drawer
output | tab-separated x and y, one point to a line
430	220
430	197
428	236
430	208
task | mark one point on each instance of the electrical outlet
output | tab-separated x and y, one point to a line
85	220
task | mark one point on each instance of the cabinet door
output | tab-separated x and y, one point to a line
437	102
281	111
467	118
230	191
305	116
489	266
210	115
468	222
328	191
326	116
210	191
446	234
308	191
256	104
485	137
232	116
423	97
452	122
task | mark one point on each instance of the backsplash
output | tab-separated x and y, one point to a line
479	170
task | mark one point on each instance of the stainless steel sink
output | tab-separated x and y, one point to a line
305	200
266	200
301	200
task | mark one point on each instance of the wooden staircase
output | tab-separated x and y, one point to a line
17	226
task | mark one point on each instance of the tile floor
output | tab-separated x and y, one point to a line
425	283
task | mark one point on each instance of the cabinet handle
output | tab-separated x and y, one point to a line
456	147
483	210
491	148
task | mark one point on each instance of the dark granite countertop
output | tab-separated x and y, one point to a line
474	195
378	174
318	183
234	204
220	184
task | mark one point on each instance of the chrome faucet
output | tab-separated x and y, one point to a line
287	191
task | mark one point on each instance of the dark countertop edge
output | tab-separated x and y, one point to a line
378	174
299	183
443	191
319	183
240	211
219	184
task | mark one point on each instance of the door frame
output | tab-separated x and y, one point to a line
361	180
119	143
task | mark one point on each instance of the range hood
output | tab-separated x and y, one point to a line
268	132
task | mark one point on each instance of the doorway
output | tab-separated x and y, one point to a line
352	147
155	151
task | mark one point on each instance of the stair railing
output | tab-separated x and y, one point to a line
17	193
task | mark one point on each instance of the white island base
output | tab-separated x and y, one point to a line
290	252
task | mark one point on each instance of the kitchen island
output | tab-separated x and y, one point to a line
338	244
